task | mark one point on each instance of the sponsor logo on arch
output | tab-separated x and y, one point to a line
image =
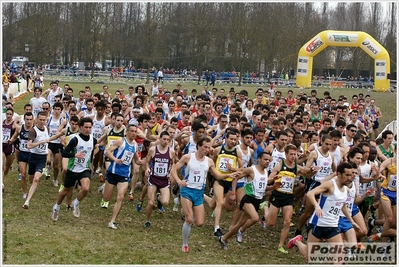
370	47
315	44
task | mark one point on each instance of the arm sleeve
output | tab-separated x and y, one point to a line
66	153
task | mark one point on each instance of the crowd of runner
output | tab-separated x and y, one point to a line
274	155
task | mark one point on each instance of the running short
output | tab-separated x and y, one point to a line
279	199
310	184
8	149
159	183
55	148
344	224
240	185
194	195
376	125
355	209
324	232
226	185
114	179
251	200
23	156
72	177
388	195
36	163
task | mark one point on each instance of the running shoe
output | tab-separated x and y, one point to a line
112	225
222	243
292	241
76	210
239	236
131	197
280	213
45	173
159	204
218	233
147	225
54	214
61	187
370	226
378	228
176	206
26	205
19	177
100	189
263	223
139	206
282	250
102	179
263	204
361	246
69	207
104	204
211	192
374	237
55	183
185	249
292	224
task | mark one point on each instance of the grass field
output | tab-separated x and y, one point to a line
31	237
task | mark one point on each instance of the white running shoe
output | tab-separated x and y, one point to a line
239	236
76	210
26	205
112	225
54	214
176	206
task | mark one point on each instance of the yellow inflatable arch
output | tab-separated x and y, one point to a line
344	38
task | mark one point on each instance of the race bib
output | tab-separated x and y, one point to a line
23	145
287	184
127	157
392	181
224	161
112	139
6	134
196	179
160	169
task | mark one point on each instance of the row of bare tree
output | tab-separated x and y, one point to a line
216	36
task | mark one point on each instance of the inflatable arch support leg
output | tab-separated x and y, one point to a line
344	38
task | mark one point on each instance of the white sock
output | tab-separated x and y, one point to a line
76	202
57	207
216	228
185	233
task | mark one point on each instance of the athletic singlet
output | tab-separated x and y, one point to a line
51	95
347	143
258	150
86	147
113	136
68	134
331	206
226	157
40	136
196	172
191	146
97	128
365	170
313	118
270	138
86	114
53	126
23	139
388	154
257	187
160	164
326	166
8	131
390	177
337	155
350	200
288	178
246	158
276	157
125	152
